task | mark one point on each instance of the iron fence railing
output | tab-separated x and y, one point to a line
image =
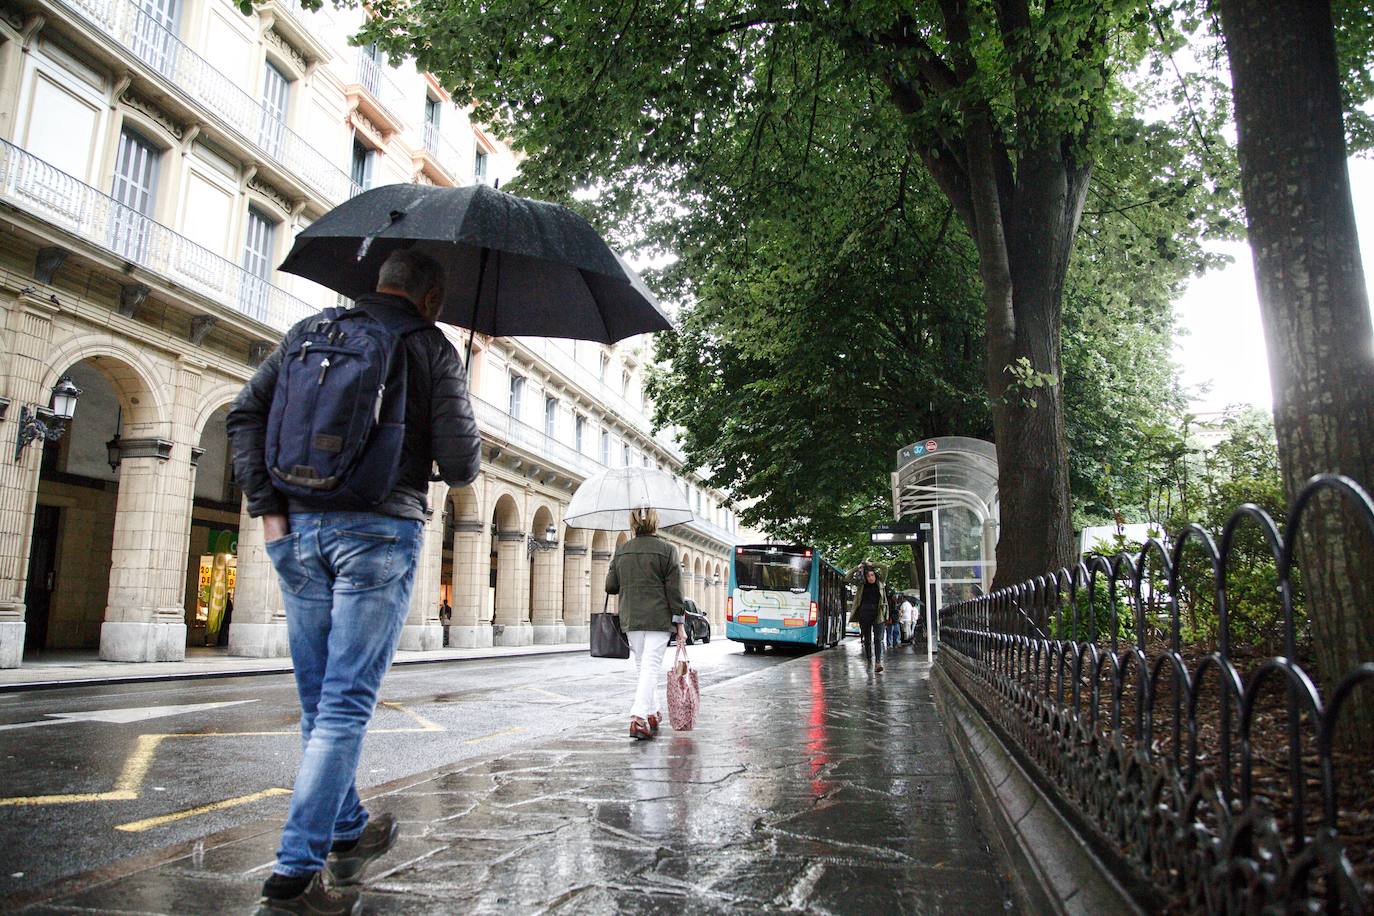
45	191
1219	776
444	151
189	73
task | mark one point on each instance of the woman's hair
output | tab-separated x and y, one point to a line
643	521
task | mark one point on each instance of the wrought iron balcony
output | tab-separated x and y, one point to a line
37	188
189	74
373	77
442	151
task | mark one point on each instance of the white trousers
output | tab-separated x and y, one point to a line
647	648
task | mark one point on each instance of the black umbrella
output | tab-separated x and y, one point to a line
513	267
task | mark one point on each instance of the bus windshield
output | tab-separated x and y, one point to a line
772	571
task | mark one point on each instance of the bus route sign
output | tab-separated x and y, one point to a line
897	533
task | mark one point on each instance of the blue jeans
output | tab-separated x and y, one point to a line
346	579
894	635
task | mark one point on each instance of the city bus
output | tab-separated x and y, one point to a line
783	595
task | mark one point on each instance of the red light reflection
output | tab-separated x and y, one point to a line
817	738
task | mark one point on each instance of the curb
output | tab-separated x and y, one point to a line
102	680
1052	868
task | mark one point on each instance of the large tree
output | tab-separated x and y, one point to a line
1287	77
1004	102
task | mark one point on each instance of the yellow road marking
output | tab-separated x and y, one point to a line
509	731
150	823
129	784
549	693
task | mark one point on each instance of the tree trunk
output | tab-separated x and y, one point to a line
1314	305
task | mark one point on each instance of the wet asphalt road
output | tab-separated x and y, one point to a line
81	794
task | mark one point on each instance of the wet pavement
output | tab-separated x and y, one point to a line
812	785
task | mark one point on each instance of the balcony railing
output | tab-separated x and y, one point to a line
185	70
40	189
496	422
442	150
373	77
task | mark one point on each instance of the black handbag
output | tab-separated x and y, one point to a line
608	640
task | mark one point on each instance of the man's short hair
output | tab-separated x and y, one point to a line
411	271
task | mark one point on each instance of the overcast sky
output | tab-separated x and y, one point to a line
1224	342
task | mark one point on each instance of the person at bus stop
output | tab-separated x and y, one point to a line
646	574
909	617
869	611
894	626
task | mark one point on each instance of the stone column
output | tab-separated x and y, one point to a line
27	338
576	594
601	562
512	591
546	603
259	626
145	620
422	630
471	573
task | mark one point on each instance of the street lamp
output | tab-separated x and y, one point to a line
549	542
48	423
113	455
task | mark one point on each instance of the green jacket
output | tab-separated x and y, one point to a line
645	574
857	576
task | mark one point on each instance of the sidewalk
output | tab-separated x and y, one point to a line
76	669
813	785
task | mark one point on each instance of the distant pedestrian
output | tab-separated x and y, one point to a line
894	624
869	611
223	638
646	575
445	617
347	563
907	610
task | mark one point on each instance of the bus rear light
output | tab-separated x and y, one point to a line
730	610
815	609
748	618
793	622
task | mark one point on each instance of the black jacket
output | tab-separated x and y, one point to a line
439	424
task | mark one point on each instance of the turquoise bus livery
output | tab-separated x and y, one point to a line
783	594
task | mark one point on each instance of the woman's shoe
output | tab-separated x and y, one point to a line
639	730
654	721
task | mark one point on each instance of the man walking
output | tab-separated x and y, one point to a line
347	562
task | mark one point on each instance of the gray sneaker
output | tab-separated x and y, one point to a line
316	900
376	841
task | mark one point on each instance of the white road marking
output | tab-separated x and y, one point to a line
120	716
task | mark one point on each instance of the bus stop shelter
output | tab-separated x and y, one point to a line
949	484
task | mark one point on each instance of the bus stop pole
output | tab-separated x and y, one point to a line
930	608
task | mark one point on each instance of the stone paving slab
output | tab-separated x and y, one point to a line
814	785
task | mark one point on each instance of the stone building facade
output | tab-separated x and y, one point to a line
156	159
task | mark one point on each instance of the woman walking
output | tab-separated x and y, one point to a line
869	610
645	574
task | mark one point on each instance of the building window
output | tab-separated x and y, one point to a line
479	166
517	391
276	92
605	448
433	108
257	263
550	416
362	164
579	427
135	186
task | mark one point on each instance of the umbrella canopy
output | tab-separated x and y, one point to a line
512	267
604	500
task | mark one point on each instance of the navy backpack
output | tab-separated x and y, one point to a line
337	421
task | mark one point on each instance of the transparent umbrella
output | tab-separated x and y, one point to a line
604	500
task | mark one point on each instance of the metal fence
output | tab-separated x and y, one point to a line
150	41
1216	779
45	191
